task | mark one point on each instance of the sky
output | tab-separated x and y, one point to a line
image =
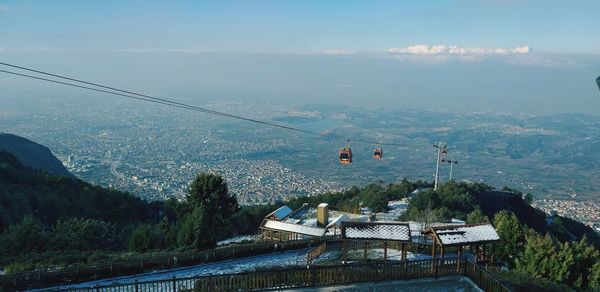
504	55
299	26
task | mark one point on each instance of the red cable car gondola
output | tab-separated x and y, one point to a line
345	154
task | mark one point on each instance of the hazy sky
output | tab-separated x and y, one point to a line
504	55
299	26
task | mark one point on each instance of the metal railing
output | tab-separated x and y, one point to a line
139	264
318	276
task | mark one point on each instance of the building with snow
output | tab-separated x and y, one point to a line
358	237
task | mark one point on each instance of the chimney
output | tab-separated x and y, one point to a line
322	214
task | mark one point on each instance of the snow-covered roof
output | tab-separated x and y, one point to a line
416	227
281	212
465	234
293	228
395	231
323	205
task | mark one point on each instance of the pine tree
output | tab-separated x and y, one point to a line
561	263
536	259
476	217
143	239
585	255
594	277
511	235
185	232
166	233
211	210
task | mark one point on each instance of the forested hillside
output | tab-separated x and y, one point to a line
48	198
32	154
47	219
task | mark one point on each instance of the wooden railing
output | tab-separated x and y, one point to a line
317	276
484	279
136	265
316	252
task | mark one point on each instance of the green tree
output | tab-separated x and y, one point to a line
476	217
399	191
426	199
143	239
83	234
511	235
560	263
375	197
167	233
211	209
594	277
27	236
585	256
536	258
203	234
185	232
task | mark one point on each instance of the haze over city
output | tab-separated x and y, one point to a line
506	57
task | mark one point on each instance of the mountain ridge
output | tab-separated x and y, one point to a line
32	154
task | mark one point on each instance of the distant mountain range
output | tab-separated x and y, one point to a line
32	154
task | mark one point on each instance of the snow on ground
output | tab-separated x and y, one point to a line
440	284
238	239
281	259
330	256
357	255
392	255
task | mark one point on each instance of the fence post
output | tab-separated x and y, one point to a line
174	284
136	285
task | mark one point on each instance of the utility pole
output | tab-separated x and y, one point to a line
441	149
451	163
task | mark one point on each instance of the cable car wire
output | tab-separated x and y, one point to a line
144	97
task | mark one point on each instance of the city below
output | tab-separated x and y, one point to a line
154	153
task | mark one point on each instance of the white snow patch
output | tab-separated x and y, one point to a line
237	239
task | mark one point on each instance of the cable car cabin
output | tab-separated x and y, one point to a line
378	153
345	155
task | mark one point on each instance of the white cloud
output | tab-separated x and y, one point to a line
4	8
522	50
456	50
